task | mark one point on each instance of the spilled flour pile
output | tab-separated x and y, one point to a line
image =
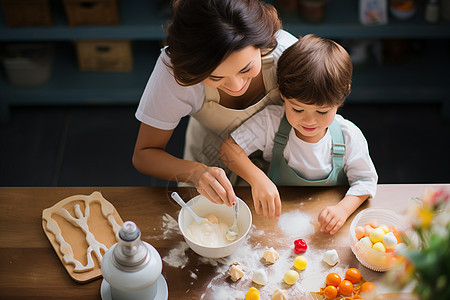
294	225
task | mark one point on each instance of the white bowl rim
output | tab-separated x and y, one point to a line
217	247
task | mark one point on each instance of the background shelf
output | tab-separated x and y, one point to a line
418	79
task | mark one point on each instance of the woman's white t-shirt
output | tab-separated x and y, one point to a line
312	161
164	102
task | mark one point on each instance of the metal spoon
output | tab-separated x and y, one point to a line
232	232
183	204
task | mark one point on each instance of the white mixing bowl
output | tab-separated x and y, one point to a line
203	207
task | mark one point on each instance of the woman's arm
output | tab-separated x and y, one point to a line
151	158
265	193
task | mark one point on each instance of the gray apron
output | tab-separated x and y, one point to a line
283	175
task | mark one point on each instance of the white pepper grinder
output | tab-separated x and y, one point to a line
131	268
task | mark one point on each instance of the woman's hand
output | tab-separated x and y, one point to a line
266	198
212	182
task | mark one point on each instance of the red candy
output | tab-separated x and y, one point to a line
300	246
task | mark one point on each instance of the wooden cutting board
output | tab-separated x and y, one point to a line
81	228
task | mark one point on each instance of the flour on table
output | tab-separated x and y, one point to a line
170	226
249	257
296	224
176	257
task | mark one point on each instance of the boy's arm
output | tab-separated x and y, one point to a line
264	191
332	217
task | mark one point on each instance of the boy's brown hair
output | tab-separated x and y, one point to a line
315	71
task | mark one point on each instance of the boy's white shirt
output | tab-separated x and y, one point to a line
311	161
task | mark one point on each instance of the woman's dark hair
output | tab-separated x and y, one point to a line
315	71
204	32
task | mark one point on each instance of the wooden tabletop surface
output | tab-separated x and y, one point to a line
30	268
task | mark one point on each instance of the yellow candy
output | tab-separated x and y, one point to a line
300	262
376	235
379	247
252	294
291	277
385	228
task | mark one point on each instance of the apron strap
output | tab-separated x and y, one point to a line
279	143
269	72
338	146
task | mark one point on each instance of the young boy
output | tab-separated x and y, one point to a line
306	142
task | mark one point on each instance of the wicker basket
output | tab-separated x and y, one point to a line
107	55
20	13
92	12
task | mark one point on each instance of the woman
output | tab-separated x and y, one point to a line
219	67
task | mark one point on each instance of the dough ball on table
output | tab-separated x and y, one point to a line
236	272
291	277
331	257
260	277
279	295
271	255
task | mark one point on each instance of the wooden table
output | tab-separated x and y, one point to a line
30	268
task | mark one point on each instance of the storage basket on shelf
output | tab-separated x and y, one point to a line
92	12
27	64
104	55
19	13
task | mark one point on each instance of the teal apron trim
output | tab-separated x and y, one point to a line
282	174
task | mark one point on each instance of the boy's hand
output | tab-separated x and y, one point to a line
266	198
331	218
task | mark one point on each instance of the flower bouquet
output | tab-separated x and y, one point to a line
427	263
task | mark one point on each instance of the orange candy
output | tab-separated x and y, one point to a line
353	275
367	229
359	232
373	224
396	232
367	289
333	279
330	292
345	288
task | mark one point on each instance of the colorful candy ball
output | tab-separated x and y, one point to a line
359	232
300	246
300	263
291	277
390	241
252	294
377	235
379	247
